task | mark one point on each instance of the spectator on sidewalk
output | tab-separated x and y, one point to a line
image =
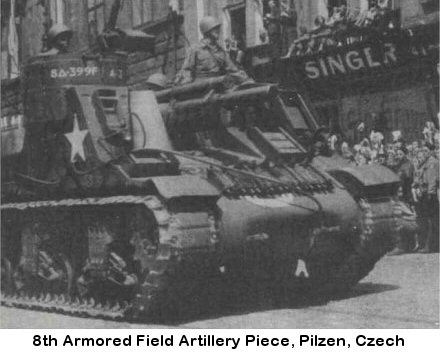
406	237
405	170
426	185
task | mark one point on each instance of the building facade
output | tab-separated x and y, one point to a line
382	76
174	23
261	30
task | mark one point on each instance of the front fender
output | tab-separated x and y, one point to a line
367	181
374	187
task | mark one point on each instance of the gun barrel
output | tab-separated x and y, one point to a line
229	98
189	90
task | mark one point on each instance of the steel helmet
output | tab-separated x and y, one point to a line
57	30
208	23
383	3
158	79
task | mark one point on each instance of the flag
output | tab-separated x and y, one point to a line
13	44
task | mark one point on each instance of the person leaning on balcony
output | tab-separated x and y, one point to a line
58	40
298	46
207	58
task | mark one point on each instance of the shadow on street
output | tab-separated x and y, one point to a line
212	304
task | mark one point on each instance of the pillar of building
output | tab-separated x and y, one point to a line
32	30
76	19
193	11
254	23
308	11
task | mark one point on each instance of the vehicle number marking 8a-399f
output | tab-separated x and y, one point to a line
73	72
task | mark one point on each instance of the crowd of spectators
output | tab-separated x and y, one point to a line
345	26
374	148
417	165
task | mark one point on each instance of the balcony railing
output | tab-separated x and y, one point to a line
346	33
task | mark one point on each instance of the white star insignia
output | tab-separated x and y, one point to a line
76	140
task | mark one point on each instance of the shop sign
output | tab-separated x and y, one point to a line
351	61
362	57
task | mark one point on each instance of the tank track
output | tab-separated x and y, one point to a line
62	305
149	303
374	242
149	300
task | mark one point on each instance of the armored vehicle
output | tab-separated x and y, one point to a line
128	204
121	203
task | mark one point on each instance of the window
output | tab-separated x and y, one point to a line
238	27
96	18
145	11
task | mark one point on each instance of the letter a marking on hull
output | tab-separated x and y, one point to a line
301	269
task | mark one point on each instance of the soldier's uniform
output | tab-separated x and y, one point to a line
208	59
427	182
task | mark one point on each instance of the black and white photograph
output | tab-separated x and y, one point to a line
220	164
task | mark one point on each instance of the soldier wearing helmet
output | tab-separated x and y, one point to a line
207	58
58	39
156	82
